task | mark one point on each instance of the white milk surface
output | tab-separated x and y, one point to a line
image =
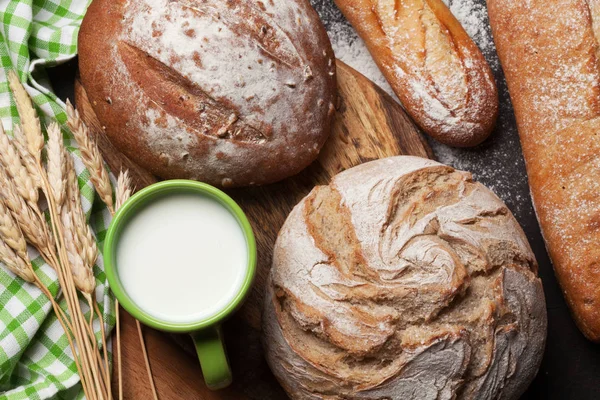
182	258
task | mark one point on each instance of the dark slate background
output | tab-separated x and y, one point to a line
571	364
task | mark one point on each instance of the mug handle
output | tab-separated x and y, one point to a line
213	358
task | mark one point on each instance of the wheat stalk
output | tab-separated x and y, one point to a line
80	244
66	264
20	165
91	379
77	243
122	194
91	157
15	168
57	255
82	249
93	161
82	252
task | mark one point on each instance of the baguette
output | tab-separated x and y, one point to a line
433	66
549	53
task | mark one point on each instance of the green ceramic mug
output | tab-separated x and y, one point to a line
206	333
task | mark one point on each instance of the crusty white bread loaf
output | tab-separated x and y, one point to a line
232	93
549	53
403	279
433	66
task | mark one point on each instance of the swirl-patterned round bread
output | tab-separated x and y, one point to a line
403	279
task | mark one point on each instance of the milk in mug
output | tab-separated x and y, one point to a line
182	258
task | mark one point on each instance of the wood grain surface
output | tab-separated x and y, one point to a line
369	124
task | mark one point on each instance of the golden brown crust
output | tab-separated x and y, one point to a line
437	71
548	51
232	93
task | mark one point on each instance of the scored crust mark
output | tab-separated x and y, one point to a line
594	17
248	20
185	100
449	80
371	281
324	209
431	51
397	8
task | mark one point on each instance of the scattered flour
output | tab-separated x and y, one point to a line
352	50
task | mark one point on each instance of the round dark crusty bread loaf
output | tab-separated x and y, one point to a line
403	279
233	92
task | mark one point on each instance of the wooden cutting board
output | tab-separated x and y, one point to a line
369	124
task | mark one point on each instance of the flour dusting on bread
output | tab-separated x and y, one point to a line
549	53
435	69
233	87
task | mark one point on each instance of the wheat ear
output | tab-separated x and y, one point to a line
82	258
32	129
15	263
83	237
82	275
32	138
31	225
123	190
55	164
91	157
12	162
10	232
27	159
84	232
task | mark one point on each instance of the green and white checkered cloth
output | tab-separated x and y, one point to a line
35	359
